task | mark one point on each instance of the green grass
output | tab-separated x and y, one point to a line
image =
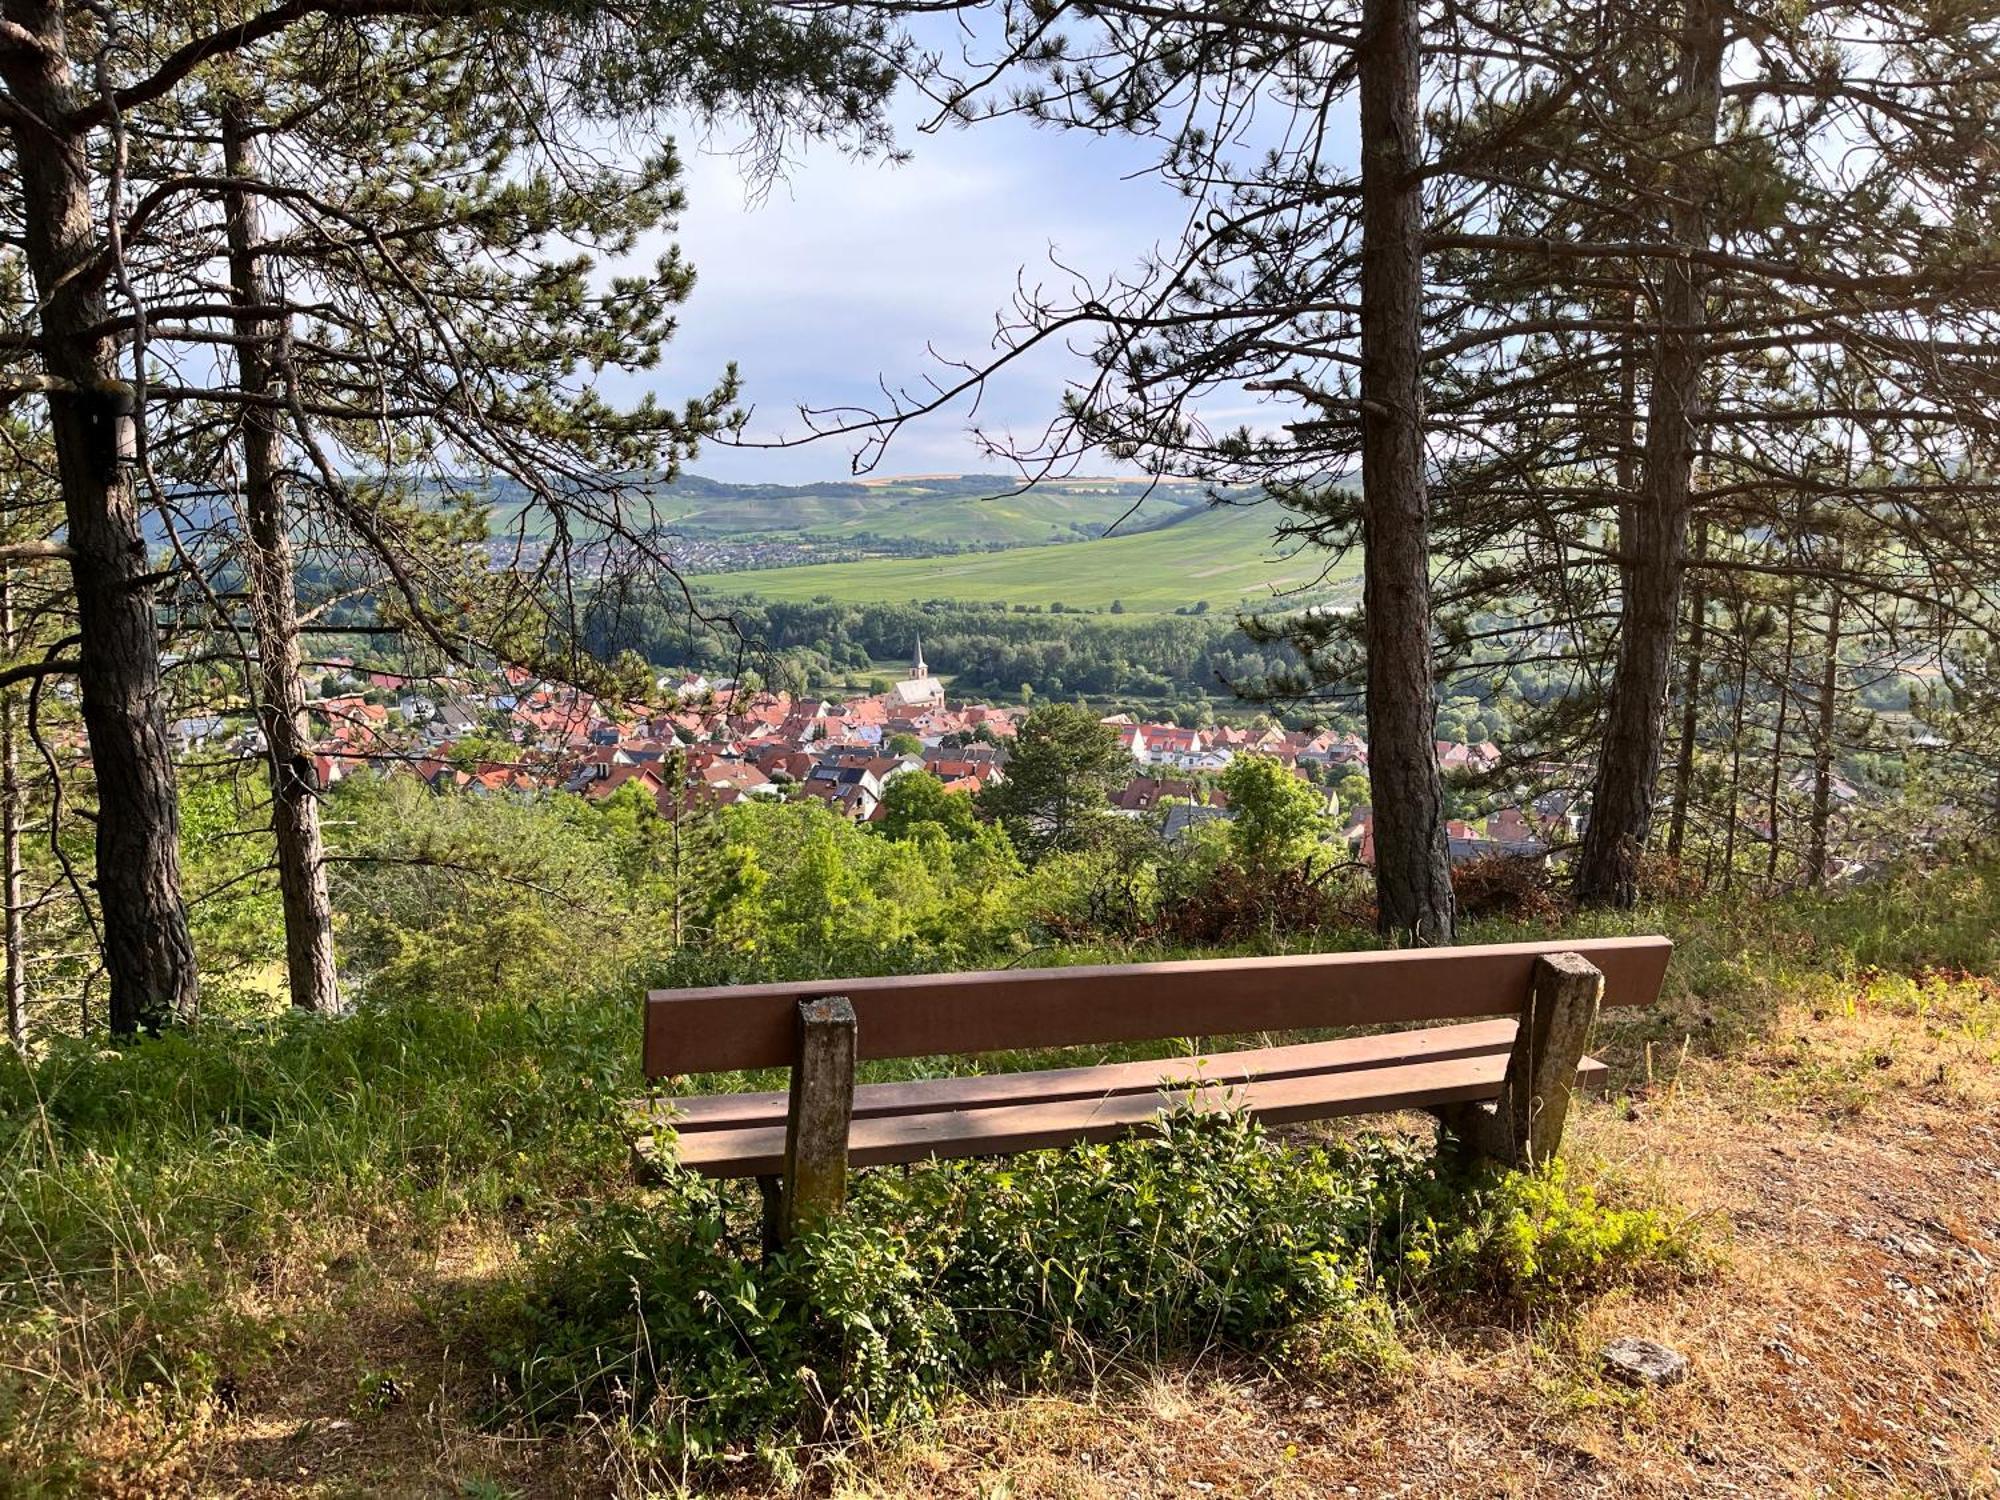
179	1215
1226	557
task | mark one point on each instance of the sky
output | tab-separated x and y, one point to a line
841	275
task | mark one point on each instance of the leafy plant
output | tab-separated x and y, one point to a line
1207	1235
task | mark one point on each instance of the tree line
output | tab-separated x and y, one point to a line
988	650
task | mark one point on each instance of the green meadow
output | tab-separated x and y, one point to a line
1225	557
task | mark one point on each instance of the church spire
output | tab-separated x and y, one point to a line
918	671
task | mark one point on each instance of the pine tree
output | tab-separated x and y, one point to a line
435	214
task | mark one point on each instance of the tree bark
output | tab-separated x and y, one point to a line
1690	700
1736	750
1829	688
1775	811
1653	548
148	955
10	834
1412	856
281	705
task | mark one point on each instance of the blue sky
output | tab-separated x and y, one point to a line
844	271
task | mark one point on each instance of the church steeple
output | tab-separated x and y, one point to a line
918	671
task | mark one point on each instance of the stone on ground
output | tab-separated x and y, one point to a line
1645	1363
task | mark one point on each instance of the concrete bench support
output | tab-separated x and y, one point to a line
1524	1125
819	1116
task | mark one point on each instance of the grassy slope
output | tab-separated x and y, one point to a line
969	510
917	512
1225	556
293	1214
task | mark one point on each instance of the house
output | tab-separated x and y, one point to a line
492	777
197	730
1171	745
1213	759
1360	836
999	722
781	762
1143	794
852	799
1511	831
832	773
596	789
957	772
456	714
739	776
1131	737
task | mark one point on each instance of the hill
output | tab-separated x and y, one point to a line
1224	556
966	510
953	510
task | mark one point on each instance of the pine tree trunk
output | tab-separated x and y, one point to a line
1690	699
148	955
1778	737
1412	857
1736	758
1822	803
1653	549
281	706
10	833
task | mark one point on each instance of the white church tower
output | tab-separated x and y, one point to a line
919	689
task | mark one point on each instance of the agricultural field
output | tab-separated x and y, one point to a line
1224	557
970	510
960	510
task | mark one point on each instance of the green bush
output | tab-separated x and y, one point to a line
1534	1237
1209	1235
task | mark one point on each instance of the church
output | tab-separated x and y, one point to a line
919	689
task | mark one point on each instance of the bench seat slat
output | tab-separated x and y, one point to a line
927	1096
1001	1130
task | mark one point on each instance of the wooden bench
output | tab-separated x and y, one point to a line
1500	1080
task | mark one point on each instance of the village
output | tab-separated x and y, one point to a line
709	743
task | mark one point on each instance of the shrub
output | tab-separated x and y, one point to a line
1506	886
1231	905
1208	1235
1533	1237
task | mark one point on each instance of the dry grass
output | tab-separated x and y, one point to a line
1846	1163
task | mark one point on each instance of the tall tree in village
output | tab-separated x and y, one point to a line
417	366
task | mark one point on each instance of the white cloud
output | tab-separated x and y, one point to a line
851	271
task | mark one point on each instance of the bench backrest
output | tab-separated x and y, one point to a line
923	1015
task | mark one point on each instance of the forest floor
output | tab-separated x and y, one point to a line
1841	1156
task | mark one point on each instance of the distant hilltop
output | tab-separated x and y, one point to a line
1005	482
941	486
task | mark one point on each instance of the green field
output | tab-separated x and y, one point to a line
965	510
1226	557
